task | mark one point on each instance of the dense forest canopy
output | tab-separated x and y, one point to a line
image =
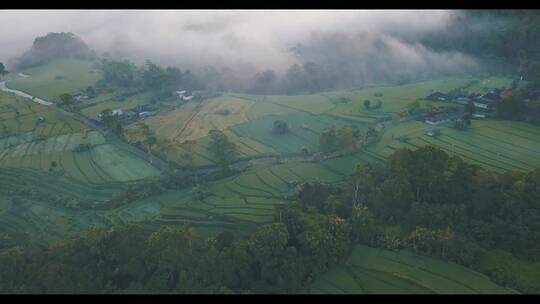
55	46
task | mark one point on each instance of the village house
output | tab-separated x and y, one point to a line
80	97
146	114
438	96
184	95
462	100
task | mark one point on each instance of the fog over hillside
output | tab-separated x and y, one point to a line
367	45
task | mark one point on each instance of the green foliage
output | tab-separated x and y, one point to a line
313	194
511	107
462	124
367	104
66	100
222	148
333	139
280	127
3	70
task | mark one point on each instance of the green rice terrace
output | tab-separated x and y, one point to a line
46	142
63	157
380	271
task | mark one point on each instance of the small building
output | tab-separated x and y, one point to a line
80	97
438	96
491	97
146	114
130	114
145	108
184	95
404	139
433	133
481	105
462	100
292	183
117	112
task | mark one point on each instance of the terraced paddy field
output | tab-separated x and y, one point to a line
304	129
33	136
238	203
102	163
19	116
378	271
493	144
250	117
27	209
50	80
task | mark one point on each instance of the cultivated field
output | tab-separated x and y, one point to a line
239	203
250	118
378	271
493	144
50	80
32	136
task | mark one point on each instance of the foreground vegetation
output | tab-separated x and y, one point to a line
438	206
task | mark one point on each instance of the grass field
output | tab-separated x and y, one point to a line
50	80
378	271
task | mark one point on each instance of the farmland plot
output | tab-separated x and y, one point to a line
50	80
370	270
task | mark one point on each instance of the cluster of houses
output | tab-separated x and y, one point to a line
485	104
133	114
184	95
79	97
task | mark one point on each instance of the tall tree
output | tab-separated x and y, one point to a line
222	148
3	70
147	138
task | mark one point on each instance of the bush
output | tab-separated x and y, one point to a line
223	112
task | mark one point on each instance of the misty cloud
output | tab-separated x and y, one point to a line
365	44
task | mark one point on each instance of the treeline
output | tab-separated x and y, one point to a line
502	34
524	103
161	82
276	258
422	200
443	206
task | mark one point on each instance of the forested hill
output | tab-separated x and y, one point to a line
508	35
55	46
